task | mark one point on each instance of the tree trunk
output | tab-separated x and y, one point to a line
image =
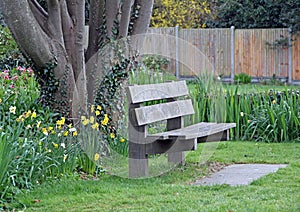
57	34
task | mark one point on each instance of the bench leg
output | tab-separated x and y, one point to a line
138	168
176	158
138	160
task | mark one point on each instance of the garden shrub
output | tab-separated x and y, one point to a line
10	55
242	78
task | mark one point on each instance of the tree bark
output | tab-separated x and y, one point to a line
142	23
125	17
111	12
95	22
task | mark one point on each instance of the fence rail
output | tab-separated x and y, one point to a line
261	53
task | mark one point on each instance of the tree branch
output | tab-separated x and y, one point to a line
111	12
67	29
54	20
40	15
76	10
95	21
142	23
34	42
125	17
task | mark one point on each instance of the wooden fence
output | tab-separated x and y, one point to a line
261	53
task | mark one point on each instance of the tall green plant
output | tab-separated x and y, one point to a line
5	160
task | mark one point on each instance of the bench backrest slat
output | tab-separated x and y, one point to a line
149	92
149	114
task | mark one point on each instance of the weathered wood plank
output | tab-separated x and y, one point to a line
194	131
138	159
159	112
149	92
171	146
173	124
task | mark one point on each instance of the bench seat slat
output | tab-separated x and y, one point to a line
194	131
159	112
149	92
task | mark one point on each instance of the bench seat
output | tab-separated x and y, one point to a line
198	130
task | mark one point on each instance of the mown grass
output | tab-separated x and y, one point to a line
174	190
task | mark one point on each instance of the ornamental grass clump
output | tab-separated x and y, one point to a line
268	116
276	119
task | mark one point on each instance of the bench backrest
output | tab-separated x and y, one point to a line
169	91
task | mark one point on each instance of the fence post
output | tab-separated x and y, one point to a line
290	74
232	53
177	52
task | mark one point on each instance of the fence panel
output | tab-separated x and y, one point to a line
214	44
257	54
296	58
254	52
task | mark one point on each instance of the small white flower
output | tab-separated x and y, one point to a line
65	157
12	109
72	129
63	145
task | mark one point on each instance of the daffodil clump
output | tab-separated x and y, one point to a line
100	121
38	144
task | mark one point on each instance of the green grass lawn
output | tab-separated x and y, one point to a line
174	191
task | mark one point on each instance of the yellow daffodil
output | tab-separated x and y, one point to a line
38	124
122	140
44	130
33	115
55	145
83	118
66	133
75	133
96	157
97	113
92	108
86	122
20	118
95	126
274	101
92	119
99	107
70	125
105	120
61	121
112	135
28	113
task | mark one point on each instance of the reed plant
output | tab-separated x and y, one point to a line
269	116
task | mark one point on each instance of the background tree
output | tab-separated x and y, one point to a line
184	13
52	31
255	14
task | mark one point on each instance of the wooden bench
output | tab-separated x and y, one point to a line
177	138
